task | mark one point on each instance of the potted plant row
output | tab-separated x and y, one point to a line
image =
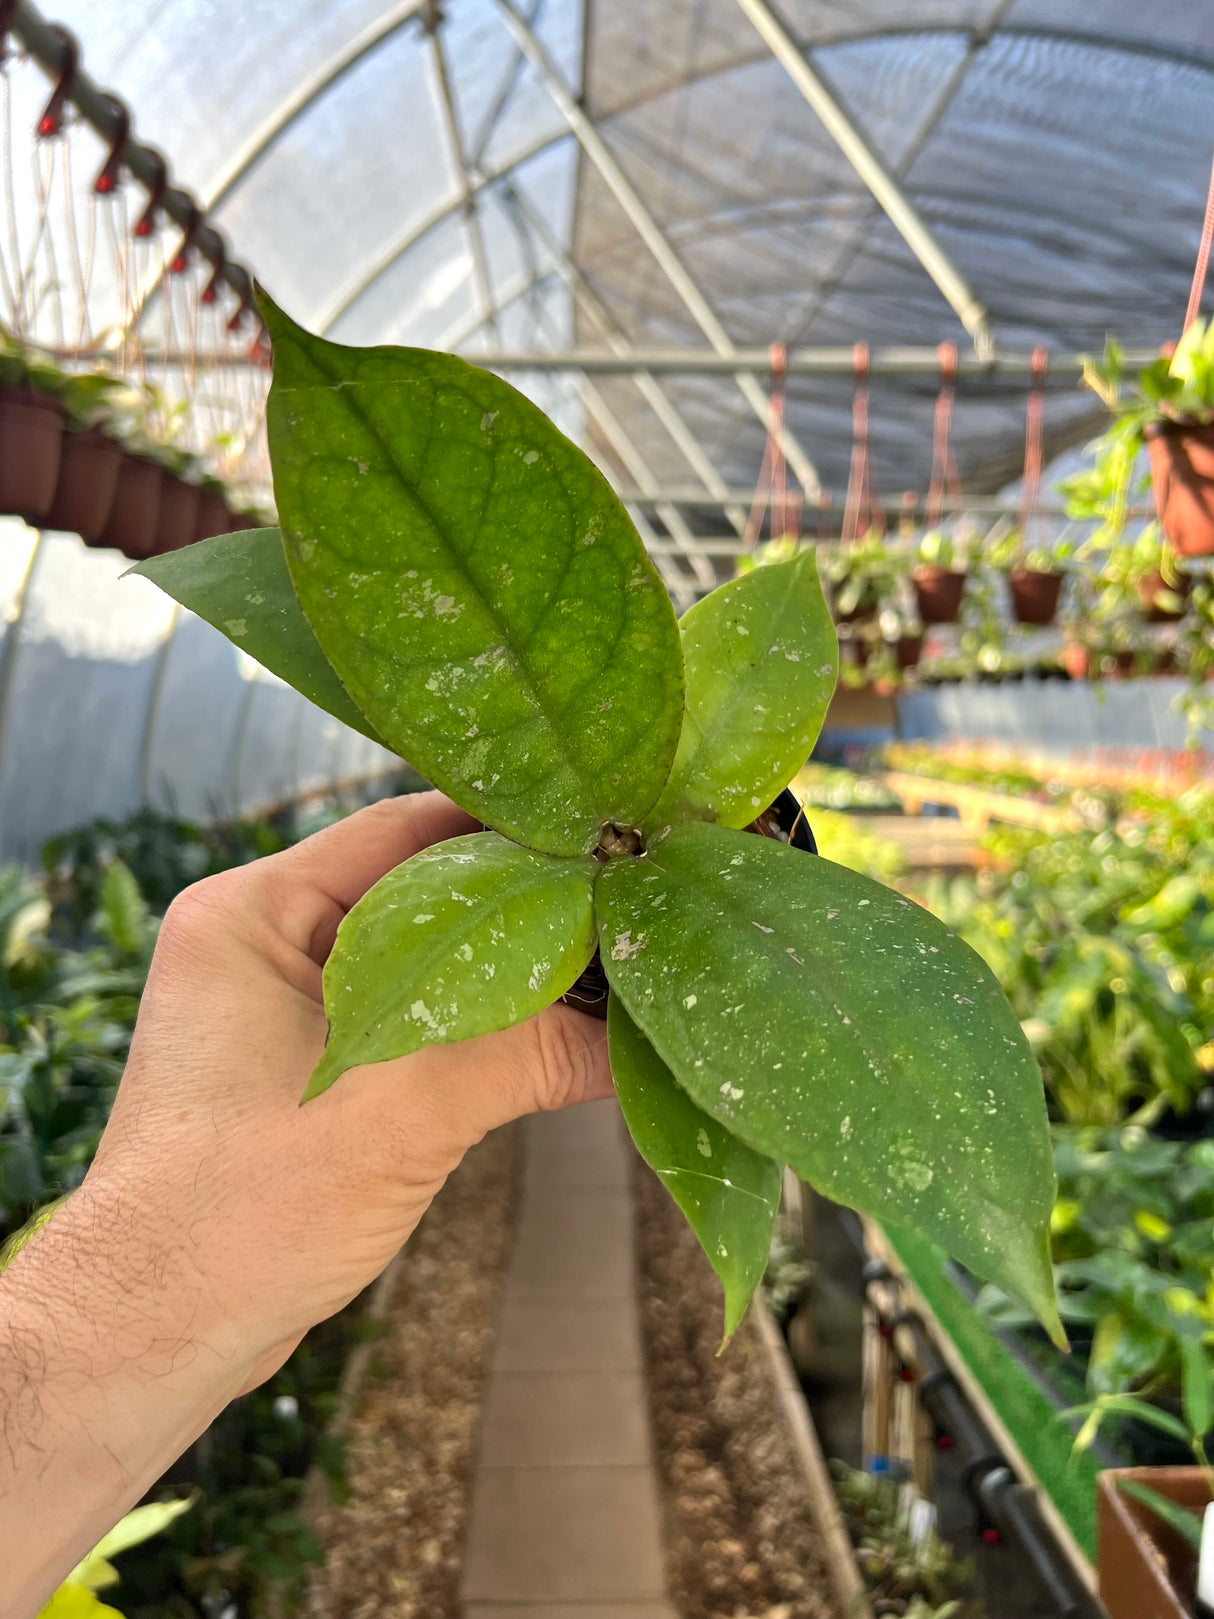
76	455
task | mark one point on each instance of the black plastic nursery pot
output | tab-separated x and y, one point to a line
1147	1570
178	514
1182	479
1034	595
31	443
938	592
88	479
135	513
213	516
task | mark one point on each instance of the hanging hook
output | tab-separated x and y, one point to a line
111	170
185	247
944	466
210	292
1034	422
146	222
51	122
858	514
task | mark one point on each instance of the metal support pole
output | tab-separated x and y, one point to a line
651	391
854	145
468	194
651	234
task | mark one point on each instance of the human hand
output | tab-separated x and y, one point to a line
220	1220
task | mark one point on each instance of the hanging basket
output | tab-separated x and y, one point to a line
938	592
213	515
178	514
88	478
1034	595
1182	478
131	525
1152	586
31	442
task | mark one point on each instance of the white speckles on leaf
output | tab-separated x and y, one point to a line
625	945
531	457
424	916
690	1000
703	1145
761	928
487	420
236	628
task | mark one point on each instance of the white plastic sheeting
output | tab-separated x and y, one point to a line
1058	149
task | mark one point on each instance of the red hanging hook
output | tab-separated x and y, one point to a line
51	121
210	292
111	170
858	513
773	477
944	466
146	222
185	248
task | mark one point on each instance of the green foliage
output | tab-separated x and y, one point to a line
863	576
921	1574
729	1194
483	599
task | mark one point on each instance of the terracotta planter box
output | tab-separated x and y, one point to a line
1148	589
1146	1569
135	513
88	479
1182	477
1034	595
213	515
31	443
178	514
938	592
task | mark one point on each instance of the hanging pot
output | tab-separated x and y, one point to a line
213	515
938	592
1149	589
88	478
1182	478
135	512
31	442
863	612
907	650
1145	1567
178	514
1034	595
1076	660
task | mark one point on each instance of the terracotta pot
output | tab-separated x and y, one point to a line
1076	660
1182	477
88	477
908	651
1119	665
938	592
178	514
31	441
1146	1570
1034	595
1148	589
135	513
213	515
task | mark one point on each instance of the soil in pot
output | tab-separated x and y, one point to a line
213	516
31	441
88	478
938	592
135	513
1146	1568
1034	595
1182	477
178	514
1152	587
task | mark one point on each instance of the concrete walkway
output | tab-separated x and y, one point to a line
564	1519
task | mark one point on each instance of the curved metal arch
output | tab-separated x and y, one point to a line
305	95
347	296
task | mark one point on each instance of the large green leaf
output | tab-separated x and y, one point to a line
835	1025
469	936
760	658
477	585
240	584
729	1193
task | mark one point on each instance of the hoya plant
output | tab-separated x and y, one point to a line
457	580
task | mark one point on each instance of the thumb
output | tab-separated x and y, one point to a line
453	1095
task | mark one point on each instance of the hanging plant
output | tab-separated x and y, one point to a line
938	577
457	580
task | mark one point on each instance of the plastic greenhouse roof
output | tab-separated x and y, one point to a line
1058	150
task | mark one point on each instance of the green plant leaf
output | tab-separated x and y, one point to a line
1129	1405
1196	1375
728	1192
760	660
477	585
239	583
470	936
833	1024
1180	1518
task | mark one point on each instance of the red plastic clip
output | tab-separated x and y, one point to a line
991	1537
51	121
146	222
111	170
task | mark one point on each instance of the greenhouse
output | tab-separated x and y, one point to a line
606	810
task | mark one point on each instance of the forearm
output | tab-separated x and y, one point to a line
112	1361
